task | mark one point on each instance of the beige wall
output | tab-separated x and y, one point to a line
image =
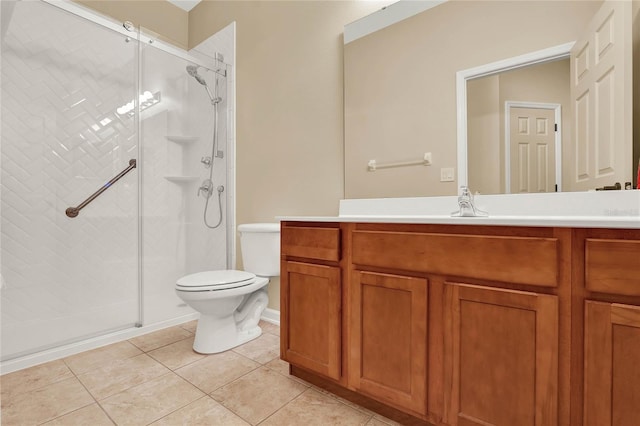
169	22
483	133
289	103
400	97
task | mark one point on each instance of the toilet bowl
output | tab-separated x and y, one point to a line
231	302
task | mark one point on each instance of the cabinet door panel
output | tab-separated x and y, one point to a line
501	357
388	354
611	363
311	307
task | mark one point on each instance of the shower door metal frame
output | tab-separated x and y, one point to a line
137	34
200	60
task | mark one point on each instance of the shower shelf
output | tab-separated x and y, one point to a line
182	179
182	139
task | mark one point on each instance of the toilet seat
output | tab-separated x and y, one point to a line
215	280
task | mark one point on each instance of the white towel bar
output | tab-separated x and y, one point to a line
372	165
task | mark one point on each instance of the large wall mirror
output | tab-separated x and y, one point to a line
522	66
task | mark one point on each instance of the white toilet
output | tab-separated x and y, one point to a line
231	302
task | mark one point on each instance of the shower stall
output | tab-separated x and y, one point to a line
106	143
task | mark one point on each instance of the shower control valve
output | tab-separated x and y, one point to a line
206	188
206	161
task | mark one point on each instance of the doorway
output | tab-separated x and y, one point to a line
533	147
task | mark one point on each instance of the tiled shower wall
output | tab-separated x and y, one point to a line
176	241
63	78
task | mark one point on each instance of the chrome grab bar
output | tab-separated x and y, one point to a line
74	211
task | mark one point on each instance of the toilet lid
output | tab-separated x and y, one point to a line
217	280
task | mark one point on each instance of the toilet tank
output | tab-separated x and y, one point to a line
260	248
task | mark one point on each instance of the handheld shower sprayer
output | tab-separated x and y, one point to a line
207	189
192	70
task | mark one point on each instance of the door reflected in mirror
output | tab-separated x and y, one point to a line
512	116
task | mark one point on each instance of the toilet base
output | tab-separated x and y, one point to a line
215	335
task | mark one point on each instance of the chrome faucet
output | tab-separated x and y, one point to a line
467	206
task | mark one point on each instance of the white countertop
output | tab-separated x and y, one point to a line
623	222
605	209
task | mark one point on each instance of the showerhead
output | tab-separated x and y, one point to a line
193	72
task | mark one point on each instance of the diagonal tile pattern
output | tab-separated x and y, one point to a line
204	411
258	395
34	378
121	375
217	370
263	349
314	408
90	415
123	384
45	404
150	401
97	358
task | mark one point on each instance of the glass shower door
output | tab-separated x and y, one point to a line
68	127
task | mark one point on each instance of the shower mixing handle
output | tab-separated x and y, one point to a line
206	188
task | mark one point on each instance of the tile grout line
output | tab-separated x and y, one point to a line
275	412
259	354
130	387
177	368
162	346
188	403
284	405
88	392
180	408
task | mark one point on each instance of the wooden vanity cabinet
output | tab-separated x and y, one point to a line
501	356
476	317
611	364
467	325
311	299
610	285
388	339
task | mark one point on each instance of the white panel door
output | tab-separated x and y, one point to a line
601	82
532	150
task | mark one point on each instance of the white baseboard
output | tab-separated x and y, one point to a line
92	343
271	315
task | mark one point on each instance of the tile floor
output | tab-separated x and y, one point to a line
158	379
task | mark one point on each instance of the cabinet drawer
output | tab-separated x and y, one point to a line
613	266
520	260
310	242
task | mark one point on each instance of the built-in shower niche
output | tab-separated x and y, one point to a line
176	151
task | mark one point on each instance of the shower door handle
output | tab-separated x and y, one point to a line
74	211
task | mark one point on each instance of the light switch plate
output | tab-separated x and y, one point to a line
446	174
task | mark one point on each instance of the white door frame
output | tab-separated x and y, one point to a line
538	57
557	108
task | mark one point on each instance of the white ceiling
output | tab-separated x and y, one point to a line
185	4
